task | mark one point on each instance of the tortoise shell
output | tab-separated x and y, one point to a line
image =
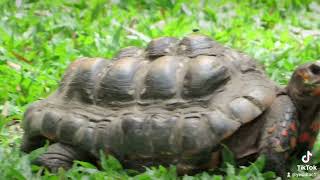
171	103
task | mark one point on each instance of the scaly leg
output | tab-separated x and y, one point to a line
279	135
61	155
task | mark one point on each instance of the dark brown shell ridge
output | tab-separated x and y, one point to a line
167	69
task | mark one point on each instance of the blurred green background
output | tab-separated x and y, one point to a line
38	39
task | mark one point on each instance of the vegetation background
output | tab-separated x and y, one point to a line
38	39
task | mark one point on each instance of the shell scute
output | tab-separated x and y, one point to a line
196	135
162	134
196	44
130	51
118	83
82	81
50	124
205	74
136	131
221	125
68	127
160	81
244	110
162	47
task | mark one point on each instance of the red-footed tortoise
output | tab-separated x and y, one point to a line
175	102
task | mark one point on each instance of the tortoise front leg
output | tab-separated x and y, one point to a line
61	155
32	137
279	136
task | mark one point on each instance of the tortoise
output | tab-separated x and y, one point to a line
175	102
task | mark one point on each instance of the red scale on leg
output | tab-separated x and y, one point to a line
304	137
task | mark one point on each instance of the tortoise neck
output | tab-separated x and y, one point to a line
307	106
309	120
308	116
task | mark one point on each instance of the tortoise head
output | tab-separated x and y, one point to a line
304	90
304	86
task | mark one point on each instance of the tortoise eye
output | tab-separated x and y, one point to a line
315	69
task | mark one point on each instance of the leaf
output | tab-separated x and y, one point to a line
205	176
109	163
269	175
217	178
227	157
24	166
231	171
98	7
211	15
260	162
255	169
17	175
85	164
37	152
133	31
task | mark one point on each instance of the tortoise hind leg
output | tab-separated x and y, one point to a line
61	155
278	138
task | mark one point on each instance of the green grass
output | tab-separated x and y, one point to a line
38	39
